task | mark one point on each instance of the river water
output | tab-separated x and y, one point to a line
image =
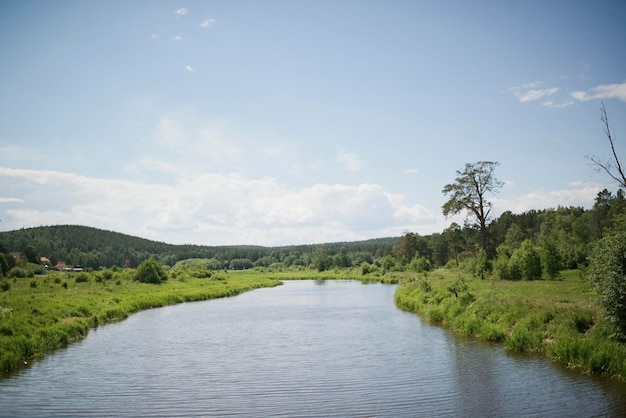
307	348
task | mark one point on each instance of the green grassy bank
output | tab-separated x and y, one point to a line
40	314
558	317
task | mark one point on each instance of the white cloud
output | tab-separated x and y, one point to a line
211	208
176	38
535	94
189	68
579	194
155	36
11	200
181	12
207	23
350	161
553	105
183	138
530	92
605	91
412	171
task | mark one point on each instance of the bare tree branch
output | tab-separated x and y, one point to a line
607	166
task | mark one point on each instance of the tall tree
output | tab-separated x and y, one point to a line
469	193
612	167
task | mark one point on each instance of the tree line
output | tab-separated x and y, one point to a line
95	249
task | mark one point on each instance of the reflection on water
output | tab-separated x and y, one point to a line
307	348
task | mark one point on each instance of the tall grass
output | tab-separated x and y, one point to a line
557	318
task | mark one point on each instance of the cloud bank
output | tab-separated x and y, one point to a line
214	209
605	91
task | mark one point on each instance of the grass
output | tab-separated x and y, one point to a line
558	318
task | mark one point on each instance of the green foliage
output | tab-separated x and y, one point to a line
458	286
240	264
20	272
366	268
501	266
482	265
150	271
607	275
529	260
95	248
200	268
557	318
551	259
388	263
81	278
420	264
4	265
320	259
469	193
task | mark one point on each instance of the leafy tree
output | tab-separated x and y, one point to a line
150	271
514	236
439	248
406	247
240	264
420	264
527	259
388	263
320	258
31	254
454	236
469	193
458	286
4	266
607	274
551	259
482	266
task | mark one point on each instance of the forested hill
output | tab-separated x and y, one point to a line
95	248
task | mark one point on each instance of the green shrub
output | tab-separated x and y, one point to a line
150	271
607	274
5	286
82	278
20	273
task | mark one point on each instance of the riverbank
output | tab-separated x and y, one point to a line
41	314
558	318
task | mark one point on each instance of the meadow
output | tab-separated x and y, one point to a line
558	318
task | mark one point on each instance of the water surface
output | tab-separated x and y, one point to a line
306	348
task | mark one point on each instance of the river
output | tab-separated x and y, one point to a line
307	348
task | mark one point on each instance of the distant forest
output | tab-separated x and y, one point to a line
568	232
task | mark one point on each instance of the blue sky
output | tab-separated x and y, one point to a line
290	122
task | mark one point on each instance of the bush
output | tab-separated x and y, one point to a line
551	259
150	271
420	264
530	261
607	275
82	278
482	265
5	286
20	273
